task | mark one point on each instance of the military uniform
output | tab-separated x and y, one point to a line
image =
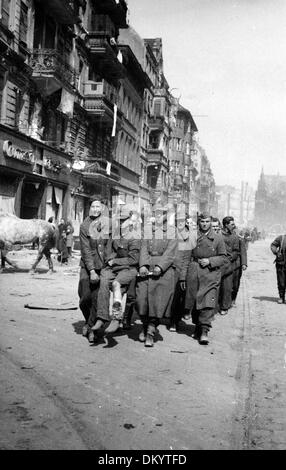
240	261
154	295
232	249
125	256
93	240
202	283
186	243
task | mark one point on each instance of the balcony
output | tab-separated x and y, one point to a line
99	171
117	10
99	100
156	123
62	10
51	72
105	53
156	157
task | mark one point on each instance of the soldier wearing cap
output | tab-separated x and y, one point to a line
187	240
122	258
93	234
157	270
231	241
203	277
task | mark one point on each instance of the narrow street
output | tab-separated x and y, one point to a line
59	392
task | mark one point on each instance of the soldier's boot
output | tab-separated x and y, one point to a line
197	333
85	330
281	299
204	336
149	341
126	322
143	332
91	336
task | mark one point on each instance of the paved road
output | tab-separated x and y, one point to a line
58	392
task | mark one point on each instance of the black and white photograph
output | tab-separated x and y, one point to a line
142	228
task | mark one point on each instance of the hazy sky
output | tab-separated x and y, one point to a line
228	60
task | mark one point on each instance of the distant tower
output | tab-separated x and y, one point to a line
260	199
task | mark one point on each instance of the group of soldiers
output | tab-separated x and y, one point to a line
167	269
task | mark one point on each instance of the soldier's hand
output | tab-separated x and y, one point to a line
110	262
157	271
143	271
183	285
204	262
94	278
244	267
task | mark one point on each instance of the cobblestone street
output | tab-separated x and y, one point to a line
58	392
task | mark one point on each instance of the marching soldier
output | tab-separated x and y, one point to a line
203	278
94	234
232	248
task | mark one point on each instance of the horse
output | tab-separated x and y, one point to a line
16	231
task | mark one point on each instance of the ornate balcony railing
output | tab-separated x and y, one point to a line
49	63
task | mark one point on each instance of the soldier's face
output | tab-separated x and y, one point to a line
216	227
231	226
181	224
205	224
95	209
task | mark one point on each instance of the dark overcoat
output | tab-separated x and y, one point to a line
124	253
202	284
92	245
154	295
186	242
242	256
231	241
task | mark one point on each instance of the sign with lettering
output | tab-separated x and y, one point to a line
10	151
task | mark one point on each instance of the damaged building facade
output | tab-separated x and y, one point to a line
85	110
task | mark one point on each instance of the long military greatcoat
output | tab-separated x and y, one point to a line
231	241
92	244
202	284
155	294
242	255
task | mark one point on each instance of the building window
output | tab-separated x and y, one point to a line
157	108
154	140
23	24
179	144
5	12
176	166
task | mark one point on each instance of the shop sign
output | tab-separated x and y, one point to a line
10	151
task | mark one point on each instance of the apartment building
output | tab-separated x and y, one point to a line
60	76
